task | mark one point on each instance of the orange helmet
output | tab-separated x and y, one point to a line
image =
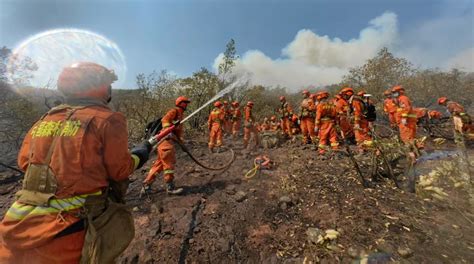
337	96
347	90
182	99
387	93
305	92
294	118
86	79
398	88
273	118
361	93
235	104
282	98
442	100
226	102
218	104
250	103
313	96
323	95
434	114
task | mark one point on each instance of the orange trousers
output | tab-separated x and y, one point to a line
286	126
392	119
215	136
307	128
248	132
235	128
164	163
66	249
327	133
362	134
408	131
346	126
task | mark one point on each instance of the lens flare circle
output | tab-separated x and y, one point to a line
52	50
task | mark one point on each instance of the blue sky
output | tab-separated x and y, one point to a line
182	36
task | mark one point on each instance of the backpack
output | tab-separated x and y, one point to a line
370	112
153	127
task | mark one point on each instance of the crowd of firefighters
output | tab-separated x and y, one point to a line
77	162
326	121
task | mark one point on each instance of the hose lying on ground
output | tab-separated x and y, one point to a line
225	166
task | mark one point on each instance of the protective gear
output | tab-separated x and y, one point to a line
326	117
313	96
306	93
343	112
347	90
226	103
433	114
282	98
166	152
322	95
308	113
142	151
286	113
390	108
91	150
406	116
398	89
86	80
273	118
182	101
250	128
235	104
387	93
236	120
463	126
171	189
217	104
442	100
361	124
215	122
361	93
250	103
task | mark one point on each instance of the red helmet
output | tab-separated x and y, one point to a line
273	118
442	100
361	93
305	92
182	99
282	98
294	118
347	90
218	104
435	114
235	104
226	102
313	96
387	93
323	95
250	103
86	79
398	88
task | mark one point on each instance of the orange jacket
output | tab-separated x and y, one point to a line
236	114
173	115
91	149
389	106
455	108
248	117
326	111
308	108
358	109
405	108
216	117
342	107
285	110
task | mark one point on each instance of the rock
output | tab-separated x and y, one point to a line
314	234
352	252
283	206
240	196
230	189
285	199
405	252
136	209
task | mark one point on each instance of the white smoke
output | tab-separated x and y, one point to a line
311	59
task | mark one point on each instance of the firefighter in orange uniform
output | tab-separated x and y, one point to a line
343	115
249	125
405	115
236	116
360	123
274	124
463	126
325	124
265	126
295	125
286	113
166	152
214	123
73	154
227	125
308	113
390	108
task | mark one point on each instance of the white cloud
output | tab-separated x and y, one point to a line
310	59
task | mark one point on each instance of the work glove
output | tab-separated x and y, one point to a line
142	151
404	121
